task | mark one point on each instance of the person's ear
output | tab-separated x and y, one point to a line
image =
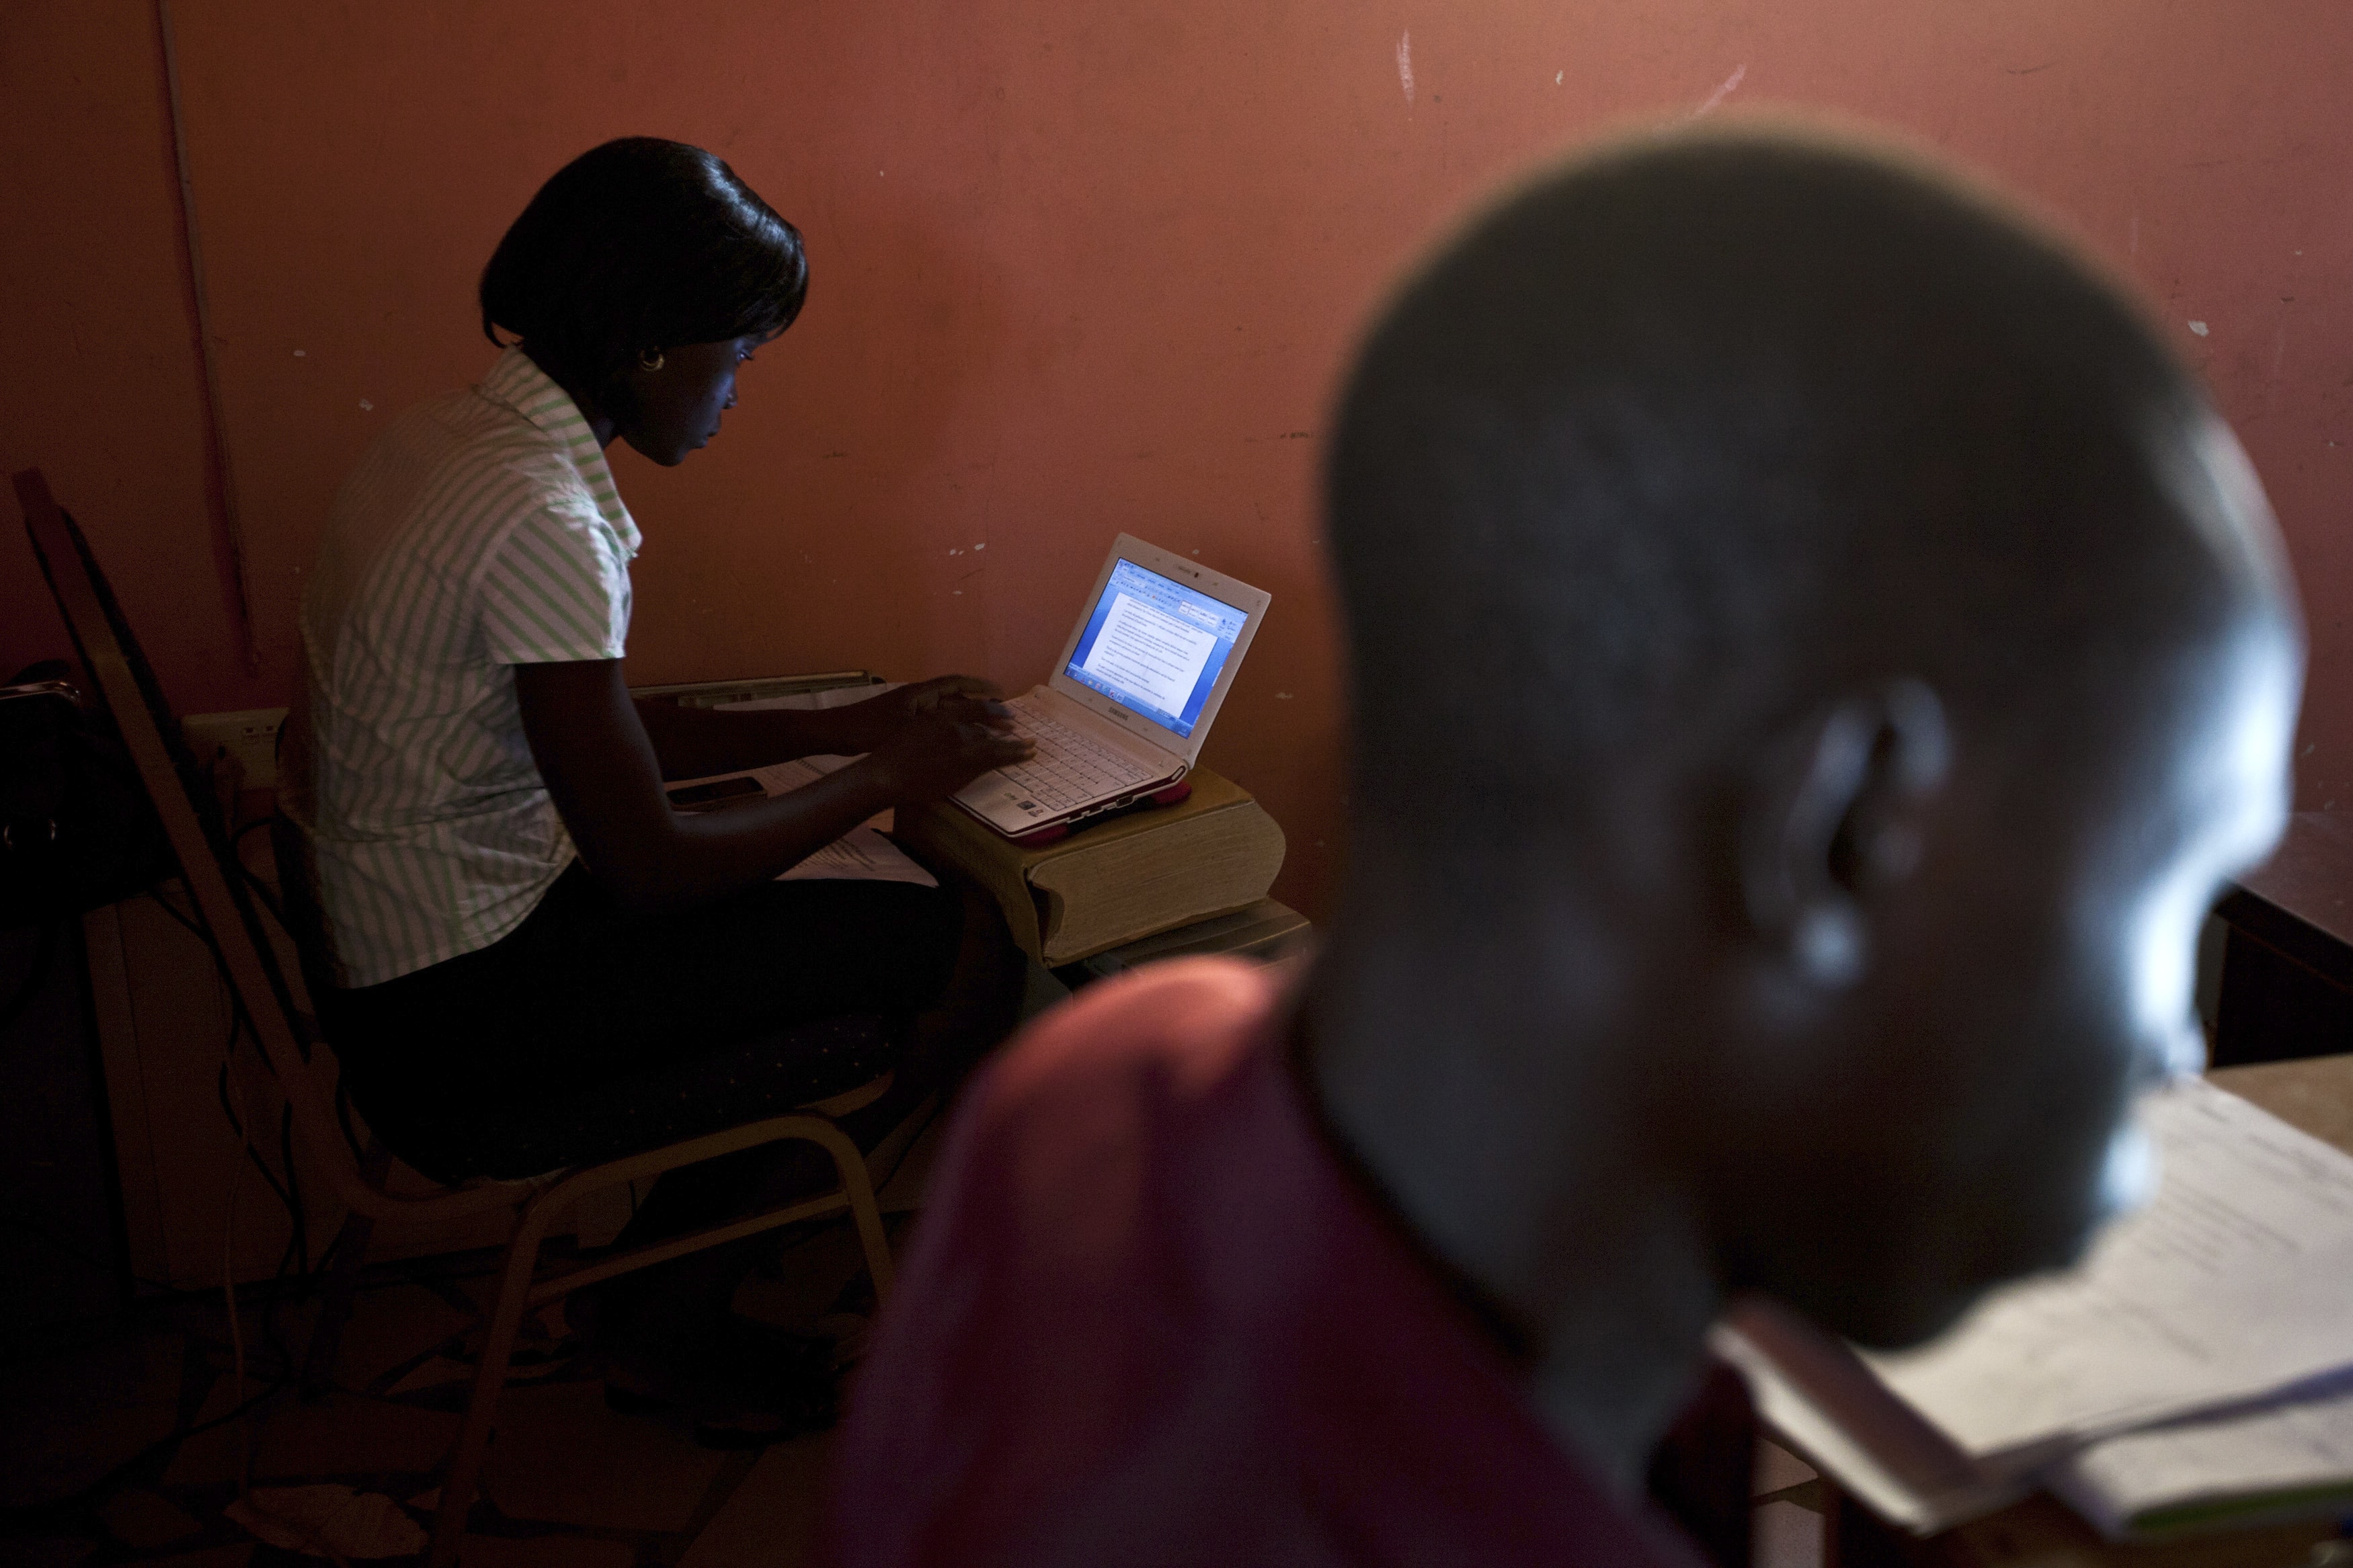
1834	817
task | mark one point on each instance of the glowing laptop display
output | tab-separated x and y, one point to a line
1155	646
1133	695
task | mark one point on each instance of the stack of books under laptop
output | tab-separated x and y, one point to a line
1114	881
1111	832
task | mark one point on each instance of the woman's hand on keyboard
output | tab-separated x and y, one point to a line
877	719
940	748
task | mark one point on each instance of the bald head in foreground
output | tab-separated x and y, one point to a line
1816	656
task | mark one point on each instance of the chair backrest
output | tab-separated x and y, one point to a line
199	839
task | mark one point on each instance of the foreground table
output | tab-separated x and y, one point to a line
2287	966
2315	1095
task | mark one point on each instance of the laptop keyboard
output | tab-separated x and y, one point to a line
1071	769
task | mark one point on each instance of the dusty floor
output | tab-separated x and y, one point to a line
119	1444
113	1450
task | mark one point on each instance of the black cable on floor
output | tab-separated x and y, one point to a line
294	1186
288	1192
220	1086
30	1517
344	1121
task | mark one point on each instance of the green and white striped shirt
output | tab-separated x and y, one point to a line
481	532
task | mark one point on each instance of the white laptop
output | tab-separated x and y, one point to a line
1130	700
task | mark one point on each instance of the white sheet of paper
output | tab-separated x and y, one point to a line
2231	1284
2255	1464
861	855
1813	1390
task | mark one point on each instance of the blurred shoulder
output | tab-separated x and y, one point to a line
1183	1025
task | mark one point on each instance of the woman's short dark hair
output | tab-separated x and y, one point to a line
640	244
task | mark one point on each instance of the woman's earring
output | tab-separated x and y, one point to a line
650	359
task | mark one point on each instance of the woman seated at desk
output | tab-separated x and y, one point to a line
505	1005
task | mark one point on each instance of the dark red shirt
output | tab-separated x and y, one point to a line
1148	1318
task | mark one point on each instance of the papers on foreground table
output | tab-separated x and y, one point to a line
2196	1369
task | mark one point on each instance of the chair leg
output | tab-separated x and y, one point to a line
335	1308
858	1189
490	1381
350	1246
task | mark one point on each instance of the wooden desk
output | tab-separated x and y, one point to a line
2315	1095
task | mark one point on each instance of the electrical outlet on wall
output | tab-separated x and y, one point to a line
250	736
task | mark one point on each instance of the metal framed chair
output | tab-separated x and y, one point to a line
260	990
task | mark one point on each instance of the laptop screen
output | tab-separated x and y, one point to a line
1155	645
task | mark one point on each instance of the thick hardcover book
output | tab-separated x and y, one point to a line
1115	881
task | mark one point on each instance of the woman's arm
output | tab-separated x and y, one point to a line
602	770
695	743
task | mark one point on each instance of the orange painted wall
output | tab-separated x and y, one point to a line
1078	268
99	382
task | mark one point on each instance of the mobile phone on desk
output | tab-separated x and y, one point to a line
716	795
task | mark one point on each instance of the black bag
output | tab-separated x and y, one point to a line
77	829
